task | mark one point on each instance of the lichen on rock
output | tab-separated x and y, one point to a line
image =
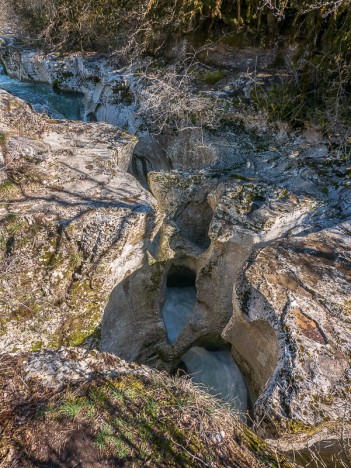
70	216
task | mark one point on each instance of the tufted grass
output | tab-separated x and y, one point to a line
129	420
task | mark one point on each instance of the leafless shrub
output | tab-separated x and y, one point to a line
326	7
169	100
118	24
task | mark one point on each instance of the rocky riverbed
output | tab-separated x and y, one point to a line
99	223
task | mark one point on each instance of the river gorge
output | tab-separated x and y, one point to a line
215	370
223	254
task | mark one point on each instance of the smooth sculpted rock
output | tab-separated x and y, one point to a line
263	222
305	284
122	97
274	283
73	223
218	372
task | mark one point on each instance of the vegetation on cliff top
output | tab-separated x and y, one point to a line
128	420
314	86
103	23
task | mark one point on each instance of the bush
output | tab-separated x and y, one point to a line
318	83
97	24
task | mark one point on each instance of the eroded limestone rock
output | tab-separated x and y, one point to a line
73	223
55	368
307	283
265	229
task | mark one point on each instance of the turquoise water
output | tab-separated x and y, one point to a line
43	98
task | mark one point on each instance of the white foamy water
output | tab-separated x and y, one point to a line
215	370
177	309
218	372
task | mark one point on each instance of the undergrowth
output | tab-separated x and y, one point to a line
315	86
128	420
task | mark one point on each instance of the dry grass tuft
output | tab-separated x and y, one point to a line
130	420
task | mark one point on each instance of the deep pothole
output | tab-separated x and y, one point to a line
173	315
211	367
194	221
180	300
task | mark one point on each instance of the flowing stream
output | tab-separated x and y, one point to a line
214	370
218	373
177	309
44	98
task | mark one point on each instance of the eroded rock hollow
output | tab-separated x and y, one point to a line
226	259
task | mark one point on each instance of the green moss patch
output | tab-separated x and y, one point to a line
8	190
212	77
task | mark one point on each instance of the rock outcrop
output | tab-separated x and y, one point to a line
122	96
272	279
258	224
263	278
73	222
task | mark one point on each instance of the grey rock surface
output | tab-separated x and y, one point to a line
261	219
73	222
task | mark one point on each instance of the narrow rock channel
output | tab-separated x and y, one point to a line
179	302
44	98
214	255
214	370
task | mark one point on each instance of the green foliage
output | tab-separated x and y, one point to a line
106	438
104	23
2	138
317	84
212	77
70	409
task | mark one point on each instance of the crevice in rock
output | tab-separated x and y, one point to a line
180	300
194	221
180	276
208	361
171	286
139	168
91	117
